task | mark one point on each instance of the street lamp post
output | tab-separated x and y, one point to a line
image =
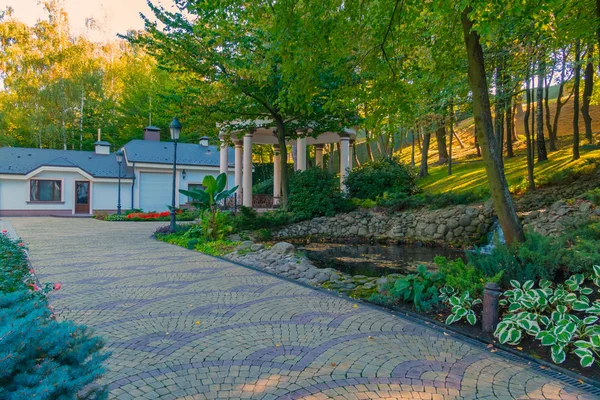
175	128
119	155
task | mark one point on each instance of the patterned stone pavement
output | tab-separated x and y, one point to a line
184	325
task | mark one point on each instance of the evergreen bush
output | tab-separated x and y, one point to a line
39	356
315	192
372	179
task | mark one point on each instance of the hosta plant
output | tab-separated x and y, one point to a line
563	318
462	307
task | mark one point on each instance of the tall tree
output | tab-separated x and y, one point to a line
577	79
541	143
588	88
501	197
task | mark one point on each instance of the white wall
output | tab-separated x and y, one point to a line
14	194
105	195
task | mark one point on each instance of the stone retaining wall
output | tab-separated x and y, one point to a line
457	225
454	225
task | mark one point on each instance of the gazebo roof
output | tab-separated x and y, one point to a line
264	133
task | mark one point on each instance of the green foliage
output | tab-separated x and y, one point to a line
372	179
535	258
402	201
315	192
541	257
213	192
462	307
592	196
366	203
215	225
563	317
420	289
248	219
464	278
43	358
217	247
14	269
264	187
39	356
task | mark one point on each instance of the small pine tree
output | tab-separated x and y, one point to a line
41	358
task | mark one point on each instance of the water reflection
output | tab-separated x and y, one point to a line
375	260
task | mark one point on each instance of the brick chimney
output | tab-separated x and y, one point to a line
152	133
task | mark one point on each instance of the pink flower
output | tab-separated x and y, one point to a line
36	287
21	244
57	286
31	271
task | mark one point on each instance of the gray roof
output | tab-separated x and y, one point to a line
21	161
149	151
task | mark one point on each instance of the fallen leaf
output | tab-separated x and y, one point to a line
519	348
333	364
197	322
277	345
580	381
370	338
446	334
493	350
490	346
355	305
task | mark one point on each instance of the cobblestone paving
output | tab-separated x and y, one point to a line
184	325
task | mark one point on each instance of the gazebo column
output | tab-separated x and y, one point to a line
276	175
223	160
239	151
247	180
301	156
351	155
319	155
344	160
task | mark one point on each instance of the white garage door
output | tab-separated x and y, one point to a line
155	191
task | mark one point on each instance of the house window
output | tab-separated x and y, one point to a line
45	190
194	187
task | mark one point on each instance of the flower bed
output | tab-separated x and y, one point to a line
41	357
180	215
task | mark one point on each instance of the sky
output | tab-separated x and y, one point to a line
115	16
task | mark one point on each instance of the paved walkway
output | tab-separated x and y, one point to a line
182	324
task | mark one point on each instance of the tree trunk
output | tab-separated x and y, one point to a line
368	145
503	204
330	164
551	139
499	108
451	138
528	148
460	142
559	102
509	129
412	154
588	86
515	138
577	78
440	135
283	167
424	153
356	160
541	143
476	142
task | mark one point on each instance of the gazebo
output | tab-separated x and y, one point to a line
261	132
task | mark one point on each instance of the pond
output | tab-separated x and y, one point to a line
375	260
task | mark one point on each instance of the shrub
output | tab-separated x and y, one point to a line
264	187
542	257
534	259
372	179
315	192
592	196
420	289
44	358
249	220
40	357
217	247
401	201
464	278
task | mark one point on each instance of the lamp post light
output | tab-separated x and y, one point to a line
175	128
119	155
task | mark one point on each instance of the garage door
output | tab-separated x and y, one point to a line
155	191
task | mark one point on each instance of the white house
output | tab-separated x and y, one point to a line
70	182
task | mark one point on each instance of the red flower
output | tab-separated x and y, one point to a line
57	286
21	244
